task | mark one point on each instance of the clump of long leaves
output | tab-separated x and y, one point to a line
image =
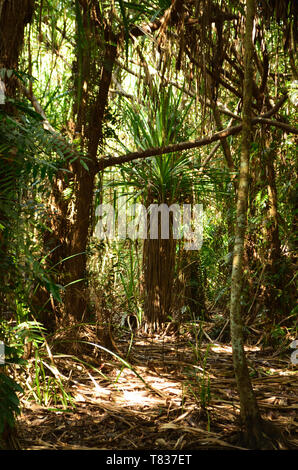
159	122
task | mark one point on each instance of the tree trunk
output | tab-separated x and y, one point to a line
249	412
274	298
76	297
13	20
159	269
273	229
71	220
159	257
194	289
280	300
258	434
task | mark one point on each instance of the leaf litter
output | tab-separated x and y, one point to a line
176	395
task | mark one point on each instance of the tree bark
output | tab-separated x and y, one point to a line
76	296
258	434
70	220
13	20
275	302
279	298
159	256
249	411
14	15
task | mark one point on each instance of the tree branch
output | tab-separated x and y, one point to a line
37	106
228	131
153	152
282	125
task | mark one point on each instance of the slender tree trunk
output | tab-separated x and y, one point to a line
250	415
224	142
279	298
258	434
230	163
71	220
194	288
273	229
76	296
275	281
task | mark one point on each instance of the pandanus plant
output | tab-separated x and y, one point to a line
166	179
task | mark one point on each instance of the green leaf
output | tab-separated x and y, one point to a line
84	165
26	109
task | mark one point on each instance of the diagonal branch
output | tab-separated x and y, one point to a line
282	125
153	152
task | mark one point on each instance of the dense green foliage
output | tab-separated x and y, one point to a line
76	104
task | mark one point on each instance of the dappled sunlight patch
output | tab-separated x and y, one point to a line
137	398
157	399
223	348
220	348
272	371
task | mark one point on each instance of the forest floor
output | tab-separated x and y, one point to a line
176	393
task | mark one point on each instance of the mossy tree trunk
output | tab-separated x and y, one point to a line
258	434
250	415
